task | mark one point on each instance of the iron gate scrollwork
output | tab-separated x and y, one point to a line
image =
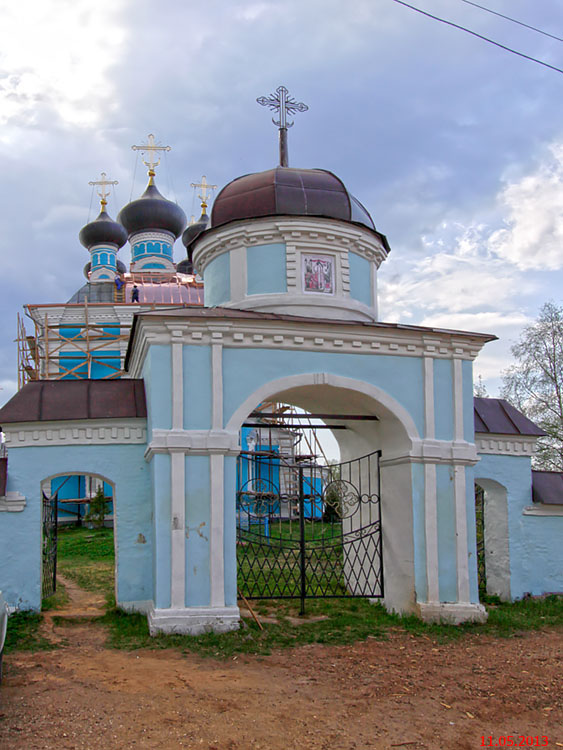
49	571
306	530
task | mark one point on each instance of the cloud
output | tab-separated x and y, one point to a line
533	233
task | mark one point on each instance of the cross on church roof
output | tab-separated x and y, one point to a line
150	148
103	182
284	104
205	187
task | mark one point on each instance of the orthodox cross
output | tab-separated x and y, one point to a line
103	193
284	104
150	149
205	187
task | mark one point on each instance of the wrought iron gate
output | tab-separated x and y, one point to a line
49	572
308	531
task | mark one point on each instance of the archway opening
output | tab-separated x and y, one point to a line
493	557
374	437
78	540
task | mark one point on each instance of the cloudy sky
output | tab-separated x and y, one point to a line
455	146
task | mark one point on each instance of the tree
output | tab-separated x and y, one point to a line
535	383
97	509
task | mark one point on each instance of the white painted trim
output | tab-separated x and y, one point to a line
429	413
460	501
216	541
389	405
453	613
12	502
193	620
217	386
75	432
431	532
505	445
178	530
177	381
543	509
458	400
196	442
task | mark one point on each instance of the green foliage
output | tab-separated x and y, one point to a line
23	633
87	556
97	509
535	383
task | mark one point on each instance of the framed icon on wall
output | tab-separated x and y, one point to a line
318	273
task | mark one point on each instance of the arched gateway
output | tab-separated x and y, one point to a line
290	276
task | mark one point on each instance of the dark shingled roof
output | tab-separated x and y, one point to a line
54	400
501	418
547	487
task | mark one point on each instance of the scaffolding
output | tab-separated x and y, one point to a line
80	340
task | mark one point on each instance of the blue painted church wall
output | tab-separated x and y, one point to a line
535	542
21	533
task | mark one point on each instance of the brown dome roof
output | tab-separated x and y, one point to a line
286	191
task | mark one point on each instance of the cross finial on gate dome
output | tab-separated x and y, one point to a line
284	104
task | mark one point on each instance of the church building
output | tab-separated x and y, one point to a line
149	386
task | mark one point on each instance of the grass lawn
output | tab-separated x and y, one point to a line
87	557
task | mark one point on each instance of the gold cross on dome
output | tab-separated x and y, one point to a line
206	188
103	182
149	149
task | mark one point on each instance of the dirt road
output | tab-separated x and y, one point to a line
403	692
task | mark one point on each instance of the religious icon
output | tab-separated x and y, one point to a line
318	274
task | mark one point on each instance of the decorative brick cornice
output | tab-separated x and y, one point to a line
505	445
76	432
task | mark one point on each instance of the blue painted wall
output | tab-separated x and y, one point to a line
217	281
162	524
245	370
197	387
20	533
447	568
360	278
266	269
535	542
443	399
157	371
198	500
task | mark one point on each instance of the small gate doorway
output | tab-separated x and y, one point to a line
49	552
306	530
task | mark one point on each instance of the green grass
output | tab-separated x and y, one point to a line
87	557
23	633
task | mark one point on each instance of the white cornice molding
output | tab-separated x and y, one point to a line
543	509
308	335
76	432
195	442
12	502
310	234
505	445
455	453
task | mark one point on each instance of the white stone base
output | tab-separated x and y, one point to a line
193	620
451	612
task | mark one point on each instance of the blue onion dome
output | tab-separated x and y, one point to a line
152	211
285	191
103	230
121	268
194	230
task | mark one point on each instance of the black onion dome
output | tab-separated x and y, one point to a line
194	230
152	211
285	191
185	266
103	230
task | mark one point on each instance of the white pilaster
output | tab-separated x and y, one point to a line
217	384
216	552
430	500
237	267
178	537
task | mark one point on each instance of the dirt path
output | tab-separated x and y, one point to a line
403	692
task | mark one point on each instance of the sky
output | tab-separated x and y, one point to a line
454	146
